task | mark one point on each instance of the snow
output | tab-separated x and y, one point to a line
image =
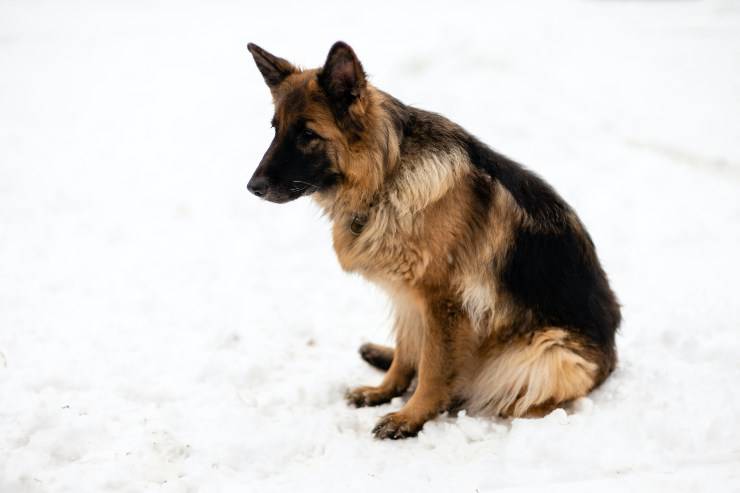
163	330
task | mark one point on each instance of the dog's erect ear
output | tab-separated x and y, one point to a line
342	77
274	69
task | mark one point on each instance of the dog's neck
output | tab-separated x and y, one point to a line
405	178
347	208
370	169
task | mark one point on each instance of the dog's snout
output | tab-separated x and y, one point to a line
258	185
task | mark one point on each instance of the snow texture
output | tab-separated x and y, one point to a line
163	330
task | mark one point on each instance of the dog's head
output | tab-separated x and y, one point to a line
319	115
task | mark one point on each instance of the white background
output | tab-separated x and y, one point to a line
163	330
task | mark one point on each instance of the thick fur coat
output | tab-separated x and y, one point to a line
501	305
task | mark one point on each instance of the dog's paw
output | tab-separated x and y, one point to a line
367	396
395	426
378	356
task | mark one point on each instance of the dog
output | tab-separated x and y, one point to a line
501	305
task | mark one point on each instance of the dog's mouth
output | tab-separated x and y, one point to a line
292	194
301	188
282	195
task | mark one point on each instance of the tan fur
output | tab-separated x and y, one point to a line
402	247
408	327
455	329
516	377
489	310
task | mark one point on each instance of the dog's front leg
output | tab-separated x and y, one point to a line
435	374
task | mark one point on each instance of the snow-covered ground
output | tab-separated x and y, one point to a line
161	330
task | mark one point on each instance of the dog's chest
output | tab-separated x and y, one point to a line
378	248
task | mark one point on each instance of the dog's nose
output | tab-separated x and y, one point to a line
258	186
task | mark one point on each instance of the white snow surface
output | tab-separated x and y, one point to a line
163	330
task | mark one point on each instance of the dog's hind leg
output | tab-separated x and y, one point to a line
395	382
401	362
530	378
376	355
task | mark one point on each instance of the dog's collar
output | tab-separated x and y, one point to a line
359	219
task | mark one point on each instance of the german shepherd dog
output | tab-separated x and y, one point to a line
501	305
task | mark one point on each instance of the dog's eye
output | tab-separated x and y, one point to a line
309	134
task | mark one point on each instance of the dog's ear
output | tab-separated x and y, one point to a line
274	69
342	77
